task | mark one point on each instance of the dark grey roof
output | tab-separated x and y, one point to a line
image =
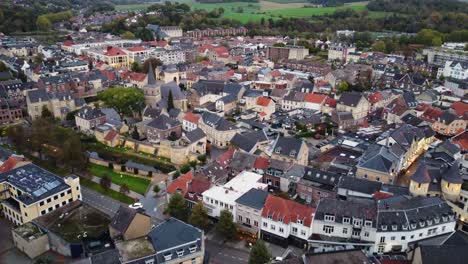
163	122
139	166
5	153
216	87
378	158
195	135
90	113
106	257
323	179
288	146
453	254
364	209
151	112
447	117
34	182
400	212
123	218
411	119
151	76
216	121
350	98
241	161
174	236
177	93
254	198
359	185
38	95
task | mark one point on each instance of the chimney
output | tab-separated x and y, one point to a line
109	48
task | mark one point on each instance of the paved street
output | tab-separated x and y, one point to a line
101	202
220	254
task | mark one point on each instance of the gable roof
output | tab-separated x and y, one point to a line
290	211
123	218
163	122
191	117
180	184
315	98
350	98
254	198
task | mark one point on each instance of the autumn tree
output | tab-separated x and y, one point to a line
153	61
124	189
105	182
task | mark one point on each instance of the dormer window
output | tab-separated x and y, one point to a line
180	253
368	223
299	221
168	256
384	227
280	219
292	153
346	220
444	218
270	216
193	248
394	227
437	220
404	227
429	222
422	223
413	226
278	150
329	218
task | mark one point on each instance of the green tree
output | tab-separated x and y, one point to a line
279	45
177	207
43	23
437	41
136	67
259	253
170	101
125	100
72	154
343	87
226	226
3	67
379	46
199	216
105	182
17	136
427	36
156	188
135	134
46	114
124	189
128	35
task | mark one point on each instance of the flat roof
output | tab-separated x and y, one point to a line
29	231
135	249
236	187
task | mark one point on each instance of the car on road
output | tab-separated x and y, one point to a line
136	205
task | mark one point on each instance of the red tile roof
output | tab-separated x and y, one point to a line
460	108
137	48
431	114
133	76
375	98
110	136
275	73
114	51
263	101
330	102
196	187
8	165
315	98
68	43
191	117
261	163
161	43
224	158
180	184
381	195
290	211
461	140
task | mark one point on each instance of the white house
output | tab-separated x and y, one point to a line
220	197
454	69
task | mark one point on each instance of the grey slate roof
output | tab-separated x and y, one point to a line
174	236
350	98
90	113
163	122
123	218
254	198
453	254
216	121
288	146
139	166
195	135
364	209
378	158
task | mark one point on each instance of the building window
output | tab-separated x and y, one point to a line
43	212
368	223
41	203
303	233
382	239
281	230
240	218
328	229
329	218
273	227
149	261
403	238
346	220
265	224
392	238
256	223
294	230
345	230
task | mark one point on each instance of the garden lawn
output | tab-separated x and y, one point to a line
110	193
135	184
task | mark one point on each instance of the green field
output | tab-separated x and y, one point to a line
264	9
135	184
111	193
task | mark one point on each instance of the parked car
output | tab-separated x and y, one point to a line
136	205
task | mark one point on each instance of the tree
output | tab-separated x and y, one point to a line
379	46
259	253
43	23
136	67
199	216
124	189
225	226
153	61
46	114
72	153
128	35
279	45
105	183
16	135
343	87
125	100
135	134
170	101
156	188
3	67
177	207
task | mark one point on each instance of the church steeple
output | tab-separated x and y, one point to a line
151	77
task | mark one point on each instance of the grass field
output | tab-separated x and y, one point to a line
111	193
135	184
274	9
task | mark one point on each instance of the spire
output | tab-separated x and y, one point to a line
151	77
